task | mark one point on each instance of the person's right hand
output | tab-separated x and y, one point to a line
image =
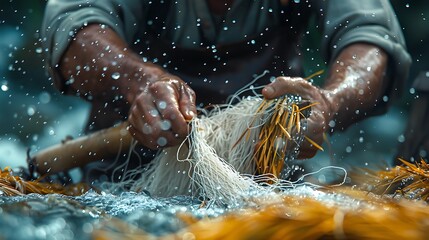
160	104
159	115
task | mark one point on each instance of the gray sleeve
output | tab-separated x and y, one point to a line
64	18
370	21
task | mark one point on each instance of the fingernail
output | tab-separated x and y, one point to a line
269	90
191	114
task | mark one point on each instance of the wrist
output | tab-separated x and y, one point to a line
333	106
355	83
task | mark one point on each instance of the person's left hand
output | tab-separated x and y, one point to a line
321	112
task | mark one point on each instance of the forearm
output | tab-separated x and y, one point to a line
355	83
103	68
99	65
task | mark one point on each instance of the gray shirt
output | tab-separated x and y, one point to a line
217	55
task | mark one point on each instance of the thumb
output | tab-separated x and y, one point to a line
287	85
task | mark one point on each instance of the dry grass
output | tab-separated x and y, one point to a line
410	180
279	135
11	185
306	218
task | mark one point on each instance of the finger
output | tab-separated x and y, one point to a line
288	85
168	106
150	128
142	118
187	104
152	139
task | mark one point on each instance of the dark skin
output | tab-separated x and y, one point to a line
350	86
142	85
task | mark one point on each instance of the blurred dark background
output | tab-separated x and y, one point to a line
34	115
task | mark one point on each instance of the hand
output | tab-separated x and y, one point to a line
161	104
159	114
320	112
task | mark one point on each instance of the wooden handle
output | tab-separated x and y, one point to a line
106	143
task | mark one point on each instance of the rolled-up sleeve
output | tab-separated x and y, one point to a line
64	18
371	21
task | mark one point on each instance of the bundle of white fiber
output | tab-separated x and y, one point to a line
212	161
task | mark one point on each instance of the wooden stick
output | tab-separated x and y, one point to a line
106	143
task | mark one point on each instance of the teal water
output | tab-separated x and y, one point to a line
62	217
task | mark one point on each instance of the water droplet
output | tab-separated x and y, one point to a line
401	138
154	112
322	179
116	75
147	129
165	125
87	228
51	131
45	97
162	105
4	87
31	111
279	143
368	69
385	98
39	50
162	141
348	149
